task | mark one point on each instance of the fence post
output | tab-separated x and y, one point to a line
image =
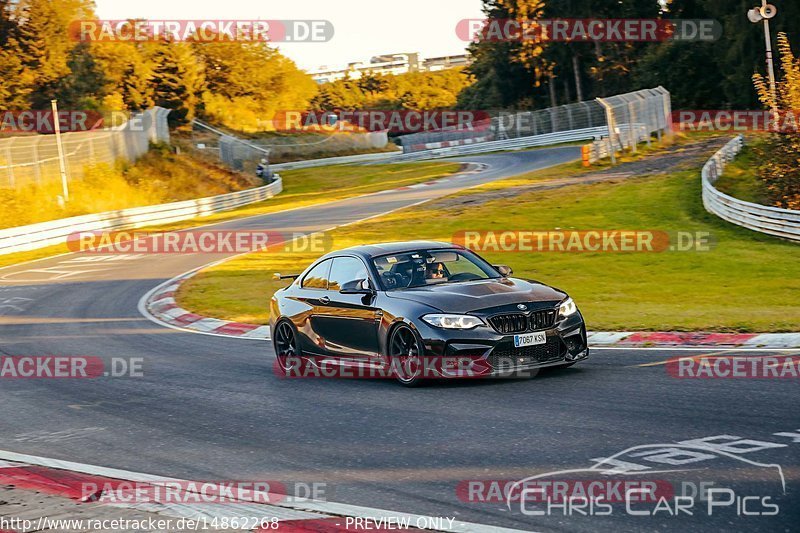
10	163
632	134
36	161
588	113
612	129
667	110
61	163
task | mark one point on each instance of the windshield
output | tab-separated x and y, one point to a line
430	267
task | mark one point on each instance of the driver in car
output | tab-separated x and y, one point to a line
435	271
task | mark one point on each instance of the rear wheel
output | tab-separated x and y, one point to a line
286	349
405	356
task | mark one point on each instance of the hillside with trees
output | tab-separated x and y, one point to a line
229	82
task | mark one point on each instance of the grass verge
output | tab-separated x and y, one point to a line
745	282
739	178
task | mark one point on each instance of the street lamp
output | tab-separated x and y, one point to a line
757	14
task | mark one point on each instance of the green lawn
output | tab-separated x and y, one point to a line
740	181
746	282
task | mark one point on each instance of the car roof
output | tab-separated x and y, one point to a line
369	251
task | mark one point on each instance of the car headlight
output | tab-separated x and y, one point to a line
453	321
567	308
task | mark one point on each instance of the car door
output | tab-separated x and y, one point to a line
313	292
348	322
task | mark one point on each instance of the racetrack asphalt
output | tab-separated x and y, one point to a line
212	408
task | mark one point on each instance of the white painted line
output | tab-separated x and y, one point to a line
208	324
788	340
175	312
607	337
261	332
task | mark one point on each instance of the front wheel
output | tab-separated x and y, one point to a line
286	348
405	356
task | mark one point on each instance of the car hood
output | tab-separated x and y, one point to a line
484	295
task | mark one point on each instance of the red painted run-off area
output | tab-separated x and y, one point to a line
51	481
73	485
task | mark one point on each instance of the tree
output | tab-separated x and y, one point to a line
248	83
780	167
44	45
14	83
178	81
127	68
506	73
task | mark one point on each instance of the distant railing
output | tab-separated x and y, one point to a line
520	143
649	109
764	219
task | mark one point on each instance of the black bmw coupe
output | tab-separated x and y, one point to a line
418	310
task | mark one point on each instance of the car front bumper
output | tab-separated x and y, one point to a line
483	352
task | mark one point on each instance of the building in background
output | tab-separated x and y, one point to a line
398	63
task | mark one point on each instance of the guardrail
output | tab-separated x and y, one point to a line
24	238
518	143
762	218
625	136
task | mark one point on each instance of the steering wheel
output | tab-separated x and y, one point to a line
464	276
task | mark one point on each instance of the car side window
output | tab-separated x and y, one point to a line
317	278
346	269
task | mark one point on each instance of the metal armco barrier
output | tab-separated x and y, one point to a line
650	109
508	144
24	238
764	219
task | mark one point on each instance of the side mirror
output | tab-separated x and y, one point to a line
504	270
358	286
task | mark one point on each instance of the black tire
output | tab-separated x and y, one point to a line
405	356
284	340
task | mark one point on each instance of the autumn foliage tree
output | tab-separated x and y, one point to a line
780	157
236	83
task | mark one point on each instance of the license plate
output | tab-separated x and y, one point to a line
530	339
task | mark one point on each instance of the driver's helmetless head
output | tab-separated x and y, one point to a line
435	271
